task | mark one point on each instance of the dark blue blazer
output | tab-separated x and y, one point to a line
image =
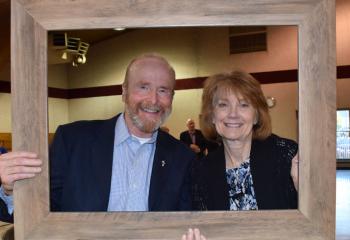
81	157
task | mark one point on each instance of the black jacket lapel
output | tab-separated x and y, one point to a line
161	165
101	162
262	165
215	178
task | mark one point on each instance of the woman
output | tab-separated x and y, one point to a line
253	169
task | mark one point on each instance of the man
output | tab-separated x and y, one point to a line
119	164
194	139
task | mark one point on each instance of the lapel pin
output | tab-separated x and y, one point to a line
163	163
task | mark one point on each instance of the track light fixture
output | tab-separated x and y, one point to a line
71	47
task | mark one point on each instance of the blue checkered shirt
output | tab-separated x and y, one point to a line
131	170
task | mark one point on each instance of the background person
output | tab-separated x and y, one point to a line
194	138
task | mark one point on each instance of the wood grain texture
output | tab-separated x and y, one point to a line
317	122
264	225
315	18
87	14
29	114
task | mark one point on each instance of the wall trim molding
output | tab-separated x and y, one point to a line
5	86
280	76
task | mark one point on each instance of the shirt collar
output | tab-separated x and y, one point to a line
122	132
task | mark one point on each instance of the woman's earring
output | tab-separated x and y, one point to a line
256	120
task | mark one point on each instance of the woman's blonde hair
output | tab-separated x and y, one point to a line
238	82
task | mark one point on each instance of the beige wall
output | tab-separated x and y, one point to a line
58	76
5	112
214	52
58	108
95	108
283	114
107	61
58	113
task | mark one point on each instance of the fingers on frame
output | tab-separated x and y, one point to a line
19	176
23	170
12	155
27	162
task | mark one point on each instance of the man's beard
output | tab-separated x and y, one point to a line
147	125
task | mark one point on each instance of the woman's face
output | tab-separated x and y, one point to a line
233	116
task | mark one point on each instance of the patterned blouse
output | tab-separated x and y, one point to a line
241	190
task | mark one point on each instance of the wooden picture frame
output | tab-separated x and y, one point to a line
315	218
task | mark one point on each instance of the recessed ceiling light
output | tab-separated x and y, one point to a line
119	29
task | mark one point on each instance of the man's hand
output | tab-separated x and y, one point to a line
16	166
195	148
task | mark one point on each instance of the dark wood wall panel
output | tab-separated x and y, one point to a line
281	76
95	91
5	87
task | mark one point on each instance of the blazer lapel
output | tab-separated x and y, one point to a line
215	177
160	168
101	162
261	165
